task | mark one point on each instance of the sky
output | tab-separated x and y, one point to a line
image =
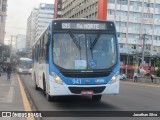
17	13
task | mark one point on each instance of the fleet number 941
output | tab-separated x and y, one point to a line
76	81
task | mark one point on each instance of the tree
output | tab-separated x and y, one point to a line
158	70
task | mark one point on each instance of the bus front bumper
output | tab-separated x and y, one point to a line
63	90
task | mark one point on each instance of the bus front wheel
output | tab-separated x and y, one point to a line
96	97
49	98
36	87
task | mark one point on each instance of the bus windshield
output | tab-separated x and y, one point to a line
84	51
25	64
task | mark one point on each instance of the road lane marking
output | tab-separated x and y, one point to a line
3	118
9	98
26	104
141	84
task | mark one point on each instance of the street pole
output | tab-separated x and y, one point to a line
10	49
2	56
127	64
144	39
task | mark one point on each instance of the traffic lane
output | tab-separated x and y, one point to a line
144	96
134	99
120	102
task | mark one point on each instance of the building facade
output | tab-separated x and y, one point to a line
31	28
80	9
20	43
133	18
44	16
37	21
3	14
57	9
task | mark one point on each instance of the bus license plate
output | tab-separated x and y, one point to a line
86	92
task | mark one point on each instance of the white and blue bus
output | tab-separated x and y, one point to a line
24	65
77	57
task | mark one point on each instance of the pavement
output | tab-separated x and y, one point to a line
144	80
10	96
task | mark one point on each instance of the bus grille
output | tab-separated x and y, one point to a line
85	74
78	90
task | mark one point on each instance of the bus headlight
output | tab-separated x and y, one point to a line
57	79
114	78
30	70
20	69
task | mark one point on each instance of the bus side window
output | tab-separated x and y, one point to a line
40	49
36	53
47	51
47	43
33	54
43	48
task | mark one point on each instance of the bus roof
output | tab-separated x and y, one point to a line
80	19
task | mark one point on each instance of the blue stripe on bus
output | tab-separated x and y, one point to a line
69	80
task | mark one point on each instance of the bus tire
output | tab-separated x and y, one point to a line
49	98
36	87
35	84
96	98
44	87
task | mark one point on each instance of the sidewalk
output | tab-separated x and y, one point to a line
145	80
10	95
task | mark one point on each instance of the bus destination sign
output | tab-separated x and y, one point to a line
85	26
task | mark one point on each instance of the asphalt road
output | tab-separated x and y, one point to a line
132	97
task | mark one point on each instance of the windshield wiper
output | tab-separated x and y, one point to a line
90	48
95	41
75	41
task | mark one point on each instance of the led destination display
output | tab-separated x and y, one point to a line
86	26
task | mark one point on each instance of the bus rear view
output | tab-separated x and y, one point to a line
83	58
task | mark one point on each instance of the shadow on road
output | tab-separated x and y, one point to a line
80	103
